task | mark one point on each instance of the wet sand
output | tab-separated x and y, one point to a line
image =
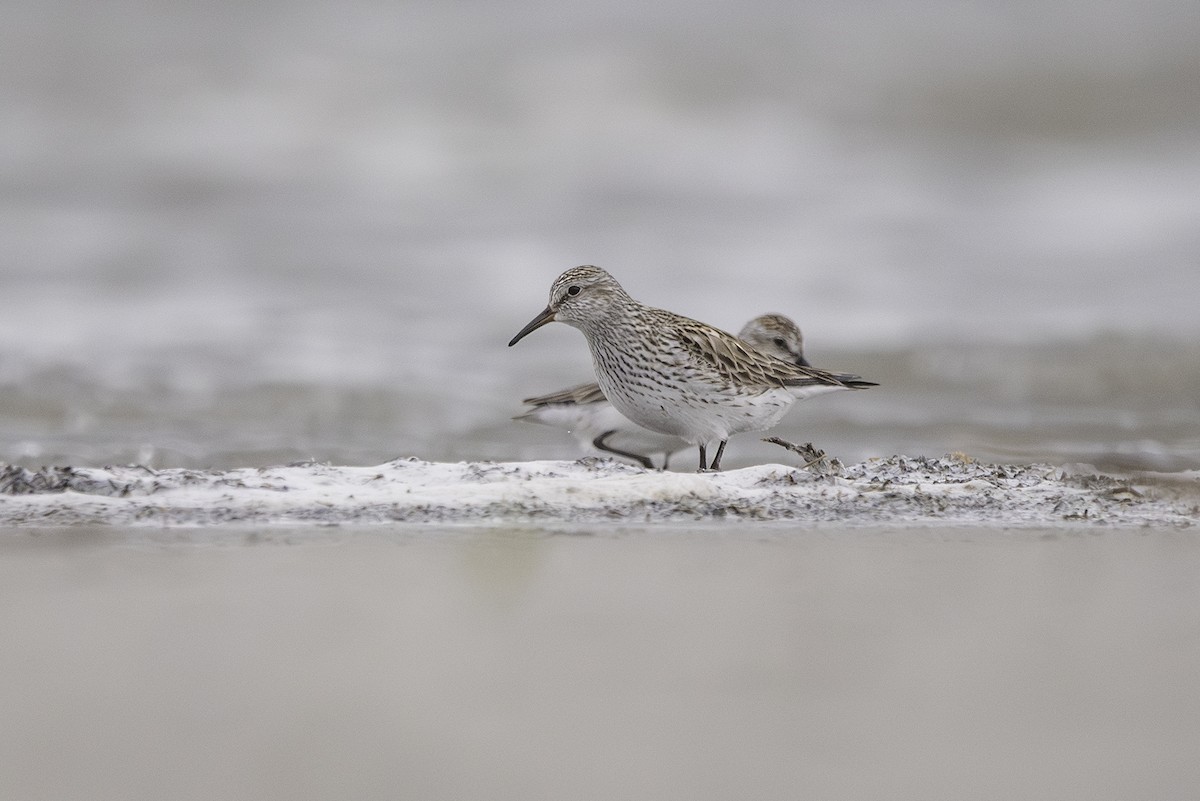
672	662
900	490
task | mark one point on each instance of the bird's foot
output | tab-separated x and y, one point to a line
815	459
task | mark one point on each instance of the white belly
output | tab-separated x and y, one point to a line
698	417
586	421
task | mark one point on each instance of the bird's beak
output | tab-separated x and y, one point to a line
802	362
547	316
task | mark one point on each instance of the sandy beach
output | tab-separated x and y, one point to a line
900	490
670	662
907	628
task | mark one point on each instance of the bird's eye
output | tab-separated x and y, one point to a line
779	342
573	290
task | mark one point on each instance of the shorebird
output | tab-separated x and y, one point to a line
586	414
675	375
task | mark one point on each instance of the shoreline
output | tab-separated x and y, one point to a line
896	491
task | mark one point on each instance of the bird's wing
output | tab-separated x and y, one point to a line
738	362
577	395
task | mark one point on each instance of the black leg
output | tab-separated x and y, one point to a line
600	445
703	459
716	462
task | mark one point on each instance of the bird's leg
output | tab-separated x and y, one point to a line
716	462
703	459
600	445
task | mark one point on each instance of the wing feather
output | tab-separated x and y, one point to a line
736	361
577	395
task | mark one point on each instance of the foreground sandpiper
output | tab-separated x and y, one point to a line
585	413
675	375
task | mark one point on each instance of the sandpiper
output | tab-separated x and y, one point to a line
675	375
585	413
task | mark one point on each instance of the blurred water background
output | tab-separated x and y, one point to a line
253	233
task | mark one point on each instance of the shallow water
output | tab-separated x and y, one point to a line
266	234
675	662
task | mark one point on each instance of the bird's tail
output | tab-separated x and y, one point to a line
854	381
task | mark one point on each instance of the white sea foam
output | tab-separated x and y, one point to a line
896	491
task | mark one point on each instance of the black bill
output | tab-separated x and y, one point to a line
547	316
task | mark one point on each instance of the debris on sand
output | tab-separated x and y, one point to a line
899	490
